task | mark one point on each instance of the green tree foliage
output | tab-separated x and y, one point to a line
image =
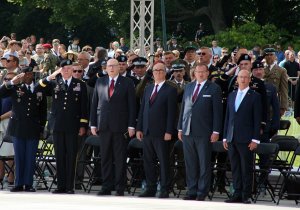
250	34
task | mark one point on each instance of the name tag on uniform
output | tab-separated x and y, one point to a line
207	96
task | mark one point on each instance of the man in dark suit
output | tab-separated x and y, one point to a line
241	134
200	123
69	114
156	125
112	117
29	113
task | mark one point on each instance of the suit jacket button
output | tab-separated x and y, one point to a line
29	99
65	98
27	114
66	94
64	107
28	109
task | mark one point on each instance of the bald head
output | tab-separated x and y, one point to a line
112	68
243	79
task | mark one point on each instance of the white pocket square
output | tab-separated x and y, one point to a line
207	96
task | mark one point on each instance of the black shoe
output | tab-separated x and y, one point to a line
29	189
189	197
119	193
104	192
147	194
78	187
234	199
246	200
58	191
70	192
17	189
200	198
163	194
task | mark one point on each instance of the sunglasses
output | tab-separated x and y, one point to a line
201	53
77	71
28	53
7	79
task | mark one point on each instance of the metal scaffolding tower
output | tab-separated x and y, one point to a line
142	25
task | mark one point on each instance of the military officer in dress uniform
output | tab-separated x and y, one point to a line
122	59
29	114
277	76
69	113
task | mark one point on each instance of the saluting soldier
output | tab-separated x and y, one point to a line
277	76
69	114
50	60
29	114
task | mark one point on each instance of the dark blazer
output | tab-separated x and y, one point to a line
204	115
118	112
243	125
158	118
273	114
29	111
69	106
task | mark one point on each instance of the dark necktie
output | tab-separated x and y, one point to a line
153	96
111	87
28	88
195	95
66	84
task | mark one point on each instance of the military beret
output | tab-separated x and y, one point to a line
178	64
48	46
26	69
65	62
257	64
122	58
269	51
244	57
139	61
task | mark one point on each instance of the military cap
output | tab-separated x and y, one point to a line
257	64
122	58
269	50
48	46
178	65
65	62
3	58
244	57
158	39
190	46
26	69
139	61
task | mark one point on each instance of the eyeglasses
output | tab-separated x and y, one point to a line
7	79
158	70
77	71
215	58
112	66
201	53
28	53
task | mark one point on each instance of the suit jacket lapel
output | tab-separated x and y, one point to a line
117	86
245	99
203	90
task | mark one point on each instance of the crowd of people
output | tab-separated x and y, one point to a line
197	94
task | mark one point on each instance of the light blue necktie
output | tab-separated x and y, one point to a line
238	100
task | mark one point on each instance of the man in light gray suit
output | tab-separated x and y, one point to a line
200	123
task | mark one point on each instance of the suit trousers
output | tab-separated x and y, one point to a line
25	154
153	148
241	159
65	146
113	150
197	156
